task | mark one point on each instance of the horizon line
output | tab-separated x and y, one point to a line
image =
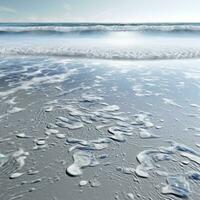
130	23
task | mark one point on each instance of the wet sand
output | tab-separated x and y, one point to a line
95	129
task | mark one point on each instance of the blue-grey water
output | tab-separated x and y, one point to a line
124	125
107	41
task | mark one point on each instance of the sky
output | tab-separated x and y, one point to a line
124	11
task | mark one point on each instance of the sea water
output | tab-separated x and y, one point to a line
99	110
106	41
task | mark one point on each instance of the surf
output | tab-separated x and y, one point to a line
53	28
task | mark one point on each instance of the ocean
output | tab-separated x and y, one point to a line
99	111
102	41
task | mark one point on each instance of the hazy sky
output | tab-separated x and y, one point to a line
100	10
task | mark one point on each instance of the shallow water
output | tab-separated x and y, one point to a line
96	129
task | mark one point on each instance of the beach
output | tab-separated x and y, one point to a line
86	126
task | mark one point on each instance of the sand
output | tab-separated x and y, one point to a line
95	129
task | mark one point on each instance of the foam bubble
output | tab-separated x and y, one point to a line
95	182
83	183
16	175
111	108
91	98
98	144
60	135
81	160
142	119
130	196
119	133
11	164
70	123
22	135
178	186
192	157
126	170
144	134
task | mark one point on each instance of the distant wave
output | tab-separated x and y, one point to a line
50	29
132	47
136	54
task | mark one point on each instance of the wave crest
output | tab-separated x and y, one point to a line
99	28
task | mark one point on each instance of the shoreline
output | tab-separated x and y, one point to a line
107	124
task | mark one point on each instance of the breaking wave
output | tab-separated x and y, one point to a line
123	41
68	28
118	54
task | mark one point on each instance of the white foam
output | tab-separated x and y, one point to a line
178	186
130	196
171	102
83	183
81	160
16	175
119	133
192	157
22	135
145	134
98	144
95	182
